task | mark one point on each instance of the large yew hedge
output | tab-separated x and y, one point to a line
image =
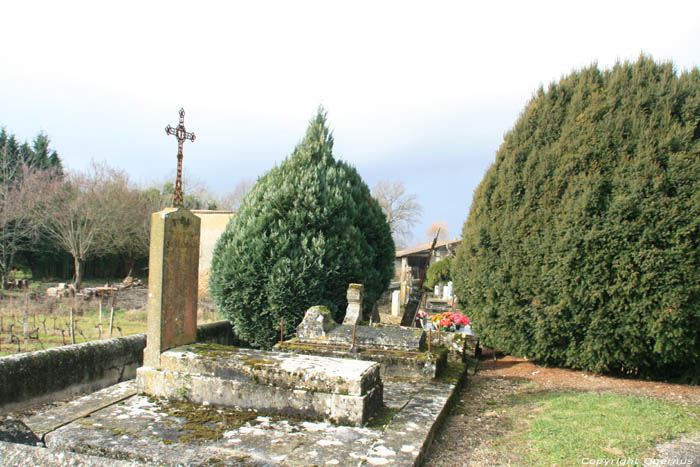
307	229
581	245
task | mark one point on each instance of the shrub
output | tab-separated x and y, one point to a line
438	272
581	245
306	230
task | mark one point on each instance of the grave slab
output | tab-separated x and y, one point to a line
79	408
19	454
318	327
340	390
142	429
401	351
393	363
377	337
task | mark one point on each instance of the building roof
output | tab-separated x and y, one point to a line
424	248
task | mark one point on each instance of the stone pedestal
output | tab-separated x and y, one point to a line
172	282
353	315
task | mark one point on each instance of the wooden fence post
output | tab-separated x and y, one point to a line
72	329
25	323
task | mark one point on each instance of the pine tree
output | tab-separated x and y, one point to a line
306	230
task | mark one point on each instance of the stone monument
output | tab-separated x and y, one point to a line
176	367
353	315
172	282
173	269
396	303
401	352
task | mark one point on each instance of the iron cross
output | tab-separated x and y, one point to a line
182	135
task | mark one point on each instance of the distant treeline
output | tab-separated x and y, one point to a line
66	225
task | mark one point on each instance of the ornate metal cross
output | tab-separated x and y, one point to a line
181	134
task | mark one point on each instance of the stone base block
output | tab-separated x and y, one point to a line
393	364
343	391
461	346
373	337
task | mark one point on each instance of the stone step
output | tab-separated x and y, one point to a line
340	390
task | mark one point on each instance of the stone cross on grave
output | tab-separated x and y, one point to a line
182	135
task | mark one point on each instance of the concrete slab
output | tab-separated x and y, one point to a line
146	430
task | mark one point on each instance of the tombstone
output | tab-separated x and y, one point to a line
447	291
396	303
437	292
317	323
353	315
374	317
172	282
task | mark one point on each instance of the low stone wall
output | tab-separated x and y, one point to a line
32	378
219	332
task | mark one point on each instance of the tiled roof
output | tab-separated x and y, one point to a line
424	248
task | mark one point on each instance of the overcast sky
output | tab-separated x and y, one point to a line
421	92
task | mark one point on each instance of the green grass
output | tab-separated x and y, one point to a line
563	428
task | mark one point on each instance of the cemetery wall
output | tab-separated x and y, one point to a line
213	224
46	375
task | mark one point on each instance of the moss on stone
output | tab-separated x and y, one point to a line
258	362
382	417
452	372
212	350
321	309
203	423
295	345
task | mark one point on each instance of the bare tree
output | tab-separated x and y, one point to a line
197	194
127	232
444	234
23	194
95	213
401	209
233	199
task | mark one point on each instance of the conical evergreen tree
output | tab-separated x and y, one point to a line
582	243
307	229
